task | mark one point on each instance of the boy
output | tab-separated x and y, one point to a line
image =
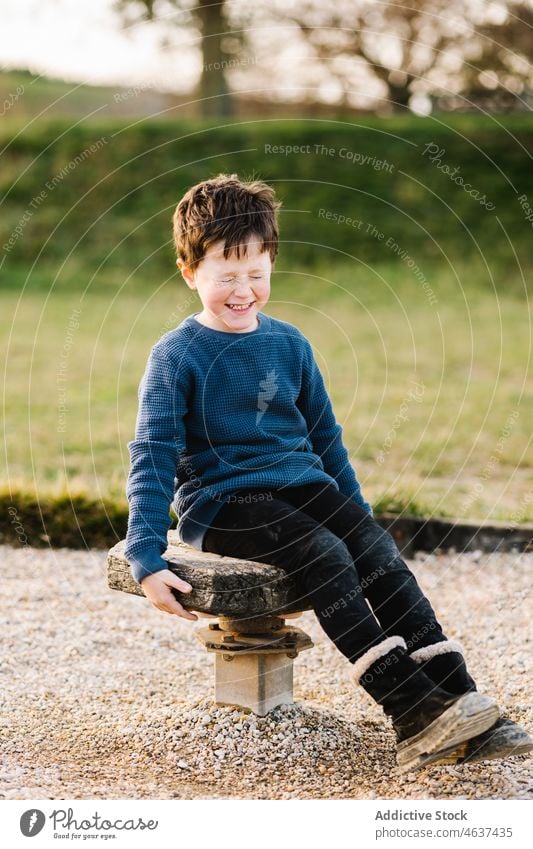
235	425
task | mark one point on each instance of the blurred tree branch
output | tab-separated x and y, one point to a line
218	45
430	46
502	56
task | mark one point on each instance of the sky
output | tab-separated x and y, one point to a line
83	42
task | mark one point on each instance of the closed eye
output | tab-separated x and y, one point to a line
252	277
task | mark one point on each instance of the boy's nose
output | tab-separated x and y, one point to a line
242	291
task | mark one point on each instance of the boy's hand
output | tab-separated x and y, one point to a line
156	588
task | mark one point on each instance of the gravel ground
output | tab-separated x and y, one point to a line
105	697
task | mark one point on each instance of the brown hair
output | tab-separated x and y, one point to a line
229	209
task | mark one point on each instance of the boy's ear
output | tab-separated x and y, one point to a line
186	272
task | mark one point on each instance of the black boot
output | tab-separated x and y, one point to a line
426	718
444	663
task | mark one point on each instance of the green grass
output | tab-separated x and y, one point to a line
110	210
374	332
451	311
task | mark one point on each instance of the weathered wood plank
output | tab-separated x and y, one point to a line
222	586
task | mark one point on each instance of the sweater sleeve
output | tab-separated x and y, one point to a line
159	439
325	432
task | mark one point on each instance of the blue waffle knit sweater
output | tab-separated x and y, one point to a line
220	412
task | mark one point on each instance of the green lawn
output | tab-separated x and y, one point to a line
429	384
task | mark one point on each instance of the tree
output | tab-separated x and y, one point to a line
443	48
501	57
218	45
416	46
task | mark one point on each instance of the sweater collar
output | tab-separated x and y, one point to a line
264	327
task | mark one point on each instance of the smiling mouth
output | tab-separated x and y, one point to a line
240	307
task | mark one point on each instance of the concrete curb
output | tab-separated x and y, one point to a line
413	533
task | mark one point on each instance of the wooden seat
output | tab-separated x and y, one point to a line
254	648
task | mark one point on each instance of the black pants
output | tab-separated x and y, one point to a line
339	557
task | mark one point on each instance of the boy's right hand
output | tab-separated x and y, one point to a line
156	588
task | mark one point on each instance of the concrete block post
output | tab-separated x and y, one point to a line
254	682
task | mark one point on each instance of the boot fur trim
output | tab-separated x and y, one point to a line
426	652
363	663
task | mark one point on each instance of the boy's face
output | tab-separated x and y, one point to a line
223	282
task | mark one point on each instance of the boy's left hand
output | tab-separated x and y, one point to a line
157	589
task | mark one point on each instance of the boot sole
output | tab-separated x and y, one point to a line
500	752
460	755
469	716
